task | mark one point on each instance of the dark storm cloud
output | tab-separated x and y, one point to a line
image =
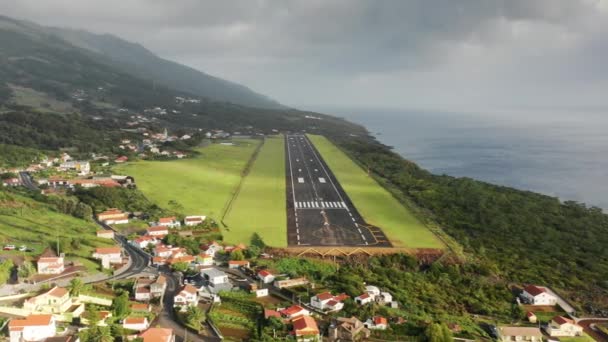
376	51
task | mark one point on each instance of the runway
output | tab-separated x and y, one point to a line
319	213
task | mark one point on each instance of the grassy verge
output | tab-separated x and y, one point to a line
197	186
377	206
260	205
26	222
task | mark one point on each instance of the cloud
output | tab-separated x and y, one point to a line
394	53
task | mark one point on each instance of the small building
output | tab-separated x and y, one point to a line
265	276
538	295
194	220
170	222
32	328
508	334
157	231
327	302
158	335
364	299
140	307
106	234
121	159
82	167
158	287
305	329
294	311
108	256
261	293
11	182
187	296
136	323
232	264
204	259
286	283
50	265
142	294
113	216
215	277
348	329
562	326
531	317
145	241
55	301
377	323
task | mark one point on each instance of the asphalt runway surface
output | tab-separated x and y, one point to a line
319	213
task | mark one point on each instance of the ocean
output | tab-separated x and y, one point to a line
558	153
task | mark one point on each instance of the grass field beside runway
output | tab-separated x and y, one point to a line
261	204
201	185
375	204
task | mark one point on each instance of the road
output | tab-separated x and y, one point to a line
27	180
319	213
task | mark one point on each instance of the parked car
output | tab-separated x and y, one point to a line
9	247
22	248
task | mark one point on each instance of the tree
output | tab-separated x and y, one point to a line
180	267
26	270
256	240
76	286
438	332
120	305
237	255
92	315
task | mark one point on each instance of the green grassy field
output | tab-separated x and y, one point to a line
377	206
196	186
26	222
260	205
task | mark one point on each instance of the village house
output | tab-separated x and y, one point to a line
538	295
82	167
232	264
364	299
194	220
305	329
204	259
157	231
187	296
327	302
294	311
509	334
11	182
136	323
106	234
377	323
140	307
286	283
187	259
212	248
531	317
113	216
145	241
158	335
50	265
562	326
348	329
121	159
55	301
142	293
215	277
170	222
108	256
32	328
265	276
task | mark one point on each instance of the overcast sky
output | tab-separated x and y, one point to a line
427	53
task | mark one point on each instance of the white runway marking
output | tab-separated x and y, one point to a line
353	219
321	180
300	179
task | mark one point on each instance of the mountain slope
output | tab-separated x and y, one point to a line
139	61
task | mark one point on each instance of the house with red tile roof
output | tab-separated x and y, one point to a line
194	220
170	222
561	326
238	263
158	335
377	323
327	302
265	276
188	295
294	311
50	265
113	216
305	328
538	295
32	328
136	323
108	256
157	231
105	233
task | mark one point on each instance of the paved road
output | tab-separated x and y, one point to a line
27	180
319	213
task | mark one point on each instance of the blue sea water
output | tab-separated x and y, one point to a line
558	153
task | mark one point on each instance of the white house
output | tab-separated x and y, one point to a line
213	248
108	256
204	259
188	295
364	299
157	231
373	291
113	216
136	323
82	167
266	277
509	334
384	298
538	295
328	302
170	222
377	323
232	264
294	311
106	234
194	220
143	294
562	326
50	265
215	277
145	241
32	328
